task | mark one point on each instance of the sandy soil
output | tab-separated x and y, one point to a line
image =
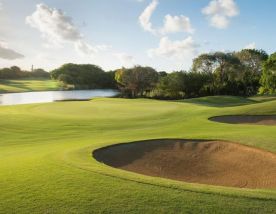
246	119
206	162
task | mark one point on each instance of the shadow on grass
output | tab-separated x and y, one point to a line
220	101
20	85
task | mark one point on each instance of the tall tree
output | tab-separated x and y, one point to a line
137	80
268	79
222	68
252	61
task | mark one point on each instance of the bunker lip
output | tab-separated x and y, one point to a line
269	120
210	162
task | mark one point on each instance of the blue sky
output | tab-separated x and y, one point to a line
164	34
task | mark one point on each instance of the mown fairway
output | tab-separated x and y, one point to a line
47	166
28	85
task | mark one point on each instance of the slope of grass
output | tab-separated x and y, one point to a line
263	98
47	166
220	101
24	85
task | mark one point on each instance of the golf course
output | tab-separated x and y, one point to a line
53	156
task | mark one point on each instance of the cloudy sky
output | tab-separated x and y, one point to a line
164	34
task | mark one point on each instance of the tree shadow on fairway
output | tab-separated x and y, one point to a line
220	101
16	84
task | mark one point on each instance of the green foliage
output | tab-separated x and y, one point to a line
235	73
85	76
268	79
178	85
252	59
15	72
218	73
136	81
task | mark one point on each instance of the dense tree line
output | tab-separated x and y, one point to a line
268	78
244	73
15	72
85	76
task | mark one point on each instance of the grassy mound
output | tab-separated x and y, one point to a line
46	163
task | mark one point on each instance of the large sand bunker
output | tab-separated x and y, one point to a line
207	162
246	119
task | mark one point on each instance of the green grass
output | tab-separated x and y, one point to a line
25	85
47	167
221	101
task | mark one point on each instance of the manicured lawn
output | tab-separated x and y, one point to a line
10	86
47	166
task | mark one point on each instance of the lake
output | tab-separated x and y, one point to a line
52	96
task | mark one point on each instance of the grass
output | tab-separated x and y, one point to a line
25	85
221	101
47	167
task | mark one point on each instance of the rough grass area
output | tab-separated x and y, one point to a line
13	86
47	165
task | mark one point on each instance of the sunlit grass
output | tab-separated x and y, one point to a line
28	85
47	167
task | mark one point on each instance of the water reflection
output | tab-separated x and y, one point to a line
51	96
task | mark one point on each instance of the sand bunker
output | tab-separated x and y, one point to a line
206	162
246	119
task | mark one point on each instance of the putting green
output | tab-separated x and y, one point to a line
47	165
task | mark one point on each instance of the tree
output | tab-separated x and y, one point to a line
15	72
162	73
84	76
170	86
252	61
137	80
204	63
39	73
268	78
231	73
178	85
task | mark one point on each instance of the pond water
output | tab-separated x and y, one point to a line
52	96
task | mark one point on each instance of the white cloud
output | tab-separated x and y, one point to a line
57	29
180	49
125	59
84	48
250	46
219	12
145	17
219	21
53	24
7	53
172	24
103	47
